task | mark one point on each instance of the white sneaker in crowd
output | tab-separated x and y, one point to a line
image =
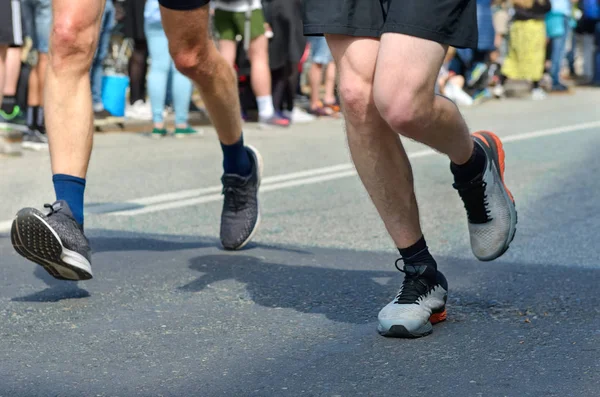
538	94
140	110
298	116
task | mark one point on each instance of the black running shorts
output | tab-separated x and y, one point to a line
11	29
451	22
183	5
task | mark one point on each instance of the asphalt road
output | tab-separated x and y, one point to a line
171	314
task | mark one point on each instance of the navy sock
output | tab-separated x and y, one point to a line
236	159
70	189
418	253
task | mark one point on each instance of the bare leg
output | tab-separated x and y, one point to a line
228	50
2	70
68	97
196	56
13	69
330	74
260	73
315	77
407	69
33	88
42	67
376	150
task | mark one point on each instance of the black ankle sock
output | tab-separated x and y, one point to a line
39	117
418	253
8	103
32	117
472	168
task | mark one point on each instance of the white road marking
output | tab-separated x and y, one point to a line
191	197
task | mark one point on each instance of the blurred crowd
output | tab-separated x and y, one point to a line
285	77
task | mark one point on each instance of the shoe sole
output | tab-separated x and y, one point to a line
34	239
35	146
400	331
493	145
260	165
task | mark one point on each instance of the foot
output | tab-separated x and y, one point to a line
490	205
241	214
15	116
54	241
159	132
538	94
298	116
102	115
186	132
560	88
35	140
275	120
420	303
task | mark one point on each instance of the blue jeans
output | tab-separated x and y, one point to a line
162	73
96	72
37	16
559	46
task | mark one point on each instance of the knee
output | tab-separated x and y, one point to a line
357	98
72	44
194	62
407	111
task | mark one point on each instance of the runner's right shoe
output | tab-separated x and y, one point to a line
54	241
420	303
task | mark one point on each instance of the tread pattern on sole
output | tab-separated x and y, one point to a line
32	239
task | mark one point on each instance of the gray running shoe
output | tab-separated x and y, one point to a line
54	241
241	213
490	205
35	140
420	303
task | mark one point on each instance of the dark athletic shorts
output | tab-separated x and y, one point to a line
450	22
11	28
183	5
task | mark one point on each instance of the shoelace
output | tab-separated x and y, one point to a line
413	286
475	201
52	210
235	197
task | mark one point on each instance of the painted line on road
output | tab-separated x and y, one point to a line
185	198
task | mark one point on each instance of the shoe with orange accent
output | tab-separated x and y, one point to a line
490	206
420	303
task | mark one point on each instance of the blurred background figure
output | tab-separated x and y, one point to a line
321	62
164	74
37	16
11	35
235	19
97	70
138	109
527	45
286	48
559	25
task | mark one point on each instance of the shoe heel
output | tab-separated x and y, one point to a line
438	317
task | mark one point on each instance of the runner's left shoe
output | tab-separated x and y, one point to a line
241	212
490	205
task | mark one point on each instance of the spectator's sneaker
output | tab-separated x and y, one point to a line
560	89
298	116
55	241
102	115
241	213
140	110
420	303
35	140
274	120
478	71
538	94
187	132
490	205
159	132
15	116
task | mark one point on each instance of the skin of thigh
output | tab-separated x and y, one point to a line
377	152
405	77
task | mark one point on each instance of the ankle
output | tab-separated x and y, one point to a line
417	253
473	167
